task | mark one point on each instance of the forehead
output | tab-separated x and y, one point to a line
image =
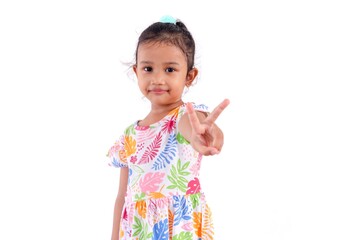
160	51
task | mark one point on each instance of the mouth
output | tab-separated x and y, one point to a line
157	91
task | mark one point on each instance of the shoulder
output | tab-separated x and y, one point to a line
130	129
201	109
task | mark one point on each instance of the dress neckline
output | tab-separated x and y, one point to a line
155	124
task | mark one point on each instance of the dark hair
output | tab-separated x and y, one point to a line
175	34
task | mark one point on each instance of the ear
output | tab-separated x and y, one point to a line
191	76
134	67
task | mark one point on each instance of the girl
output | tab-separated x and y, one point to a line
159	194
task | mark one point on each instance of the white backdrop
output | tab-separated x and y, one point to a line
289	168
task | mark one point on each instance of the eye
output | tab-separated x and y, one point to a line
147	69
170	69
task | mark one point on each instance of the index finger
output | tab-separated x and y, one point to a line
217	111
193	119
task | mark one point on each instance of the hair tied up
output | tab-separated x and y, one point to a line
168	19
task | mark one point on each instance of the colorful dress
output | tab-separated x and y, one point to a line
164	199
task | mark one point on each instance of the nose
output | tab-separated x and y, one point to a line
158	78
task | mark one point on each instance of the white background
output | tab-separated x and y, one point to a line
289	168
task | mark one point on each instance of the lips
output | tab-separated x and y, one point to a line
158	90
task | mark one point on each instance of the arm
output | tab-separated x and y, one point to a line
119	203
201	131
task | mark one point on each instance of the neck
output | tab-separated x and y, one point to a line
158	112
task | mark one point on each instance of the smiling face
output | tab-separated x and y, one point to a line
161	71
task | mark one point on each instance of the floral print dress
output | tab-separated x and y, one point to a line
164	199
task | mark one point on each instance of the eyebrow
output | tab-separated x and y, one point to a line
167	63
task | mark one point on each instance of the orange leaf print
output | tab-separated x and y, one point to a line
140	206
171	223
208	228
197	223
156	195
174	112
129	145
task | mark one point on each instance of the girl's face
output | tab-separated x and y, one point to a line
161	71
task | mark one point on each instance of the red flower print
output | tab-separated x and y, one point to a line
133	159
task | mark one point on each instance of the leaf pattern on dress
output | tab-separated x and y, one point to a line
187	226
181	210
177	176
180	138
116	163
138	171
129	145
195	200
167	154
150	182
140	206
208	228
140	197
161	230
195	169
143	136
169	125
156	195
201	107
129	130
141	229
193	186
197	218
114	149
183	236
138	227
171	223
152	150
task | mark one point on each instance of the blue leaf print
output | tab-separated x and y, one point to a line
161	230
116	163
201	106
181	210
167	154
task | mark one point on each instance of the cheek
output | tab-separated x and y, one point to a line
142	86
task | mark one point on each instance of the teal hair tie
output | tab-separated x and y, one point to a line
168	19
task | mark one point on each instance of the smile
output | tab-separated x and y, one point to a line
158	91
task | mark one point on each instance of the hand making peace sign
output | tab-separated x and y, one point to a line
206	137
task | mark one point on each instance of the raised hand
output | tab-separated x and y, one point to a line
206	137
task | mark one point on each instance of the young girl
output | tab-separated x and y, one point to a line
159	194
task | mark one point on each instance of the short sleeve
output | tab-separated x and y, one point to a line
116	154
201	107
197	107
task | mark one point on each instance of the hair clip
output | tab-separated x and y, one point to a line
168	19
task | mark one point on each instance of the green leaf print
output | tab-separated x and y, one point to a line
129	130
185	166
139	197
180	138
195	200
177	176
149	235
137	226
183	236
138	169
141	229
136	178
